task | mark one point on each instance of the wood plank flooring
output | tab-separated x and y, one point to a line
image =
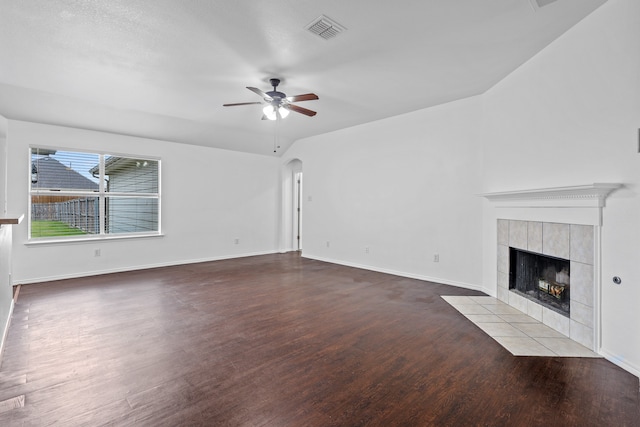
278	340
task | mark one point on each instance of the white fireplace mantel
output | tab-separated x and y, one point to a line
578	196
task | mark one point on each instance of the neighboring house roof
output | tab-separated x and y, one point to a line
53	174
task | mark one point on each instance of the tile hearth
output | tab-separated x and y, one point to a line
520	334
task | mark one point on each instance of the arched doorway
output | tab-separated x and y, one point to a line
292	206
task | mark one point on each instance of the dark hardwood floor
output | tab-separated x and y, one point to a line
278	340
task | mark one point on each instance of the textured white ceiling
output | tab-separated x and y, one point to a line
163	68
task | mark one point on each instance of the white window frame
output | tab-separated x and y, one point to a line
102	195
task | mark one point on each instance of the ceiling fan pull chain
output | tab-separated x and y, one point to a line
275	134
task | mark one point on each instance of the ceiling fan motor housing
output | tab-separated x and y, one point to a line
274	94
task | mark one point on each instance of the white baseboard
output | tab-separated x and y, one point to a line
135	268
225	257
618	361
401	274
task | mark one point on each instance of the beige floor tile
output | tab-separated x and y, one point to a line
519	346
566	347
502	309
487	301
538	330
517	318
500	330
455	299
484	318
471	309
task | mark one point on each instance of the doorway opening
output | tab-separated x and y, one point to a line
297	211
292	211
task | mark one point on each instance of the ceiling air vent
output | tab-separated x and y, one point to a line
325	27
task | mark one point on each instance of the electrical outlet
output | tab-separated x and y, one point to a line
236	241
96	252
328	244
366	249
436	257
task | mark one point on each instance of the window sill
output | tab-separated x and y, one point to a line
93	240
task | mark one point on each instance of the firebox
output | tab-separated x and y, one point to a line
540	278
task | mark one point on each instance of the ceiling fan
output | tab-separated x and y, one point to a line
279	104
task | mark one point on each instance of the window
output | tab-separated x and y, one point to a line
81	194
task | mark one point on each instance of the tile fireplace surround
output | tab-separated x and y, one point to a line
569	241
562	222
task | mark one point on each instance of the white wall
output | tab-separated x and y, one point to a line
3	165
570	116
6	291
210	197
404	187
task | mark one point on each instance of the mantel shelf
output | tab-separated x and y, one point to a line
591	195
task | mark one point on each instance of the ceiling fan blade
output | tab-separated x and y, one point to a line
259	92
241	103
303	97
299	110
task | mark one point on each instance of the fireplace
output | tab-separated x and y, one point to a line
560	222
541	278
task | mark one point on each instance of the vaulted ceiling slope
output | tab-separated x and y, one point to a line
163	68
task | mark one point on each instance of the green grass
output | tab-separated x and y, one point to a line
53	229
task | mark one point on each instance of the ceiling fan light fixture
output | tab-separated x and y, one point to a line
270	112
277	104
